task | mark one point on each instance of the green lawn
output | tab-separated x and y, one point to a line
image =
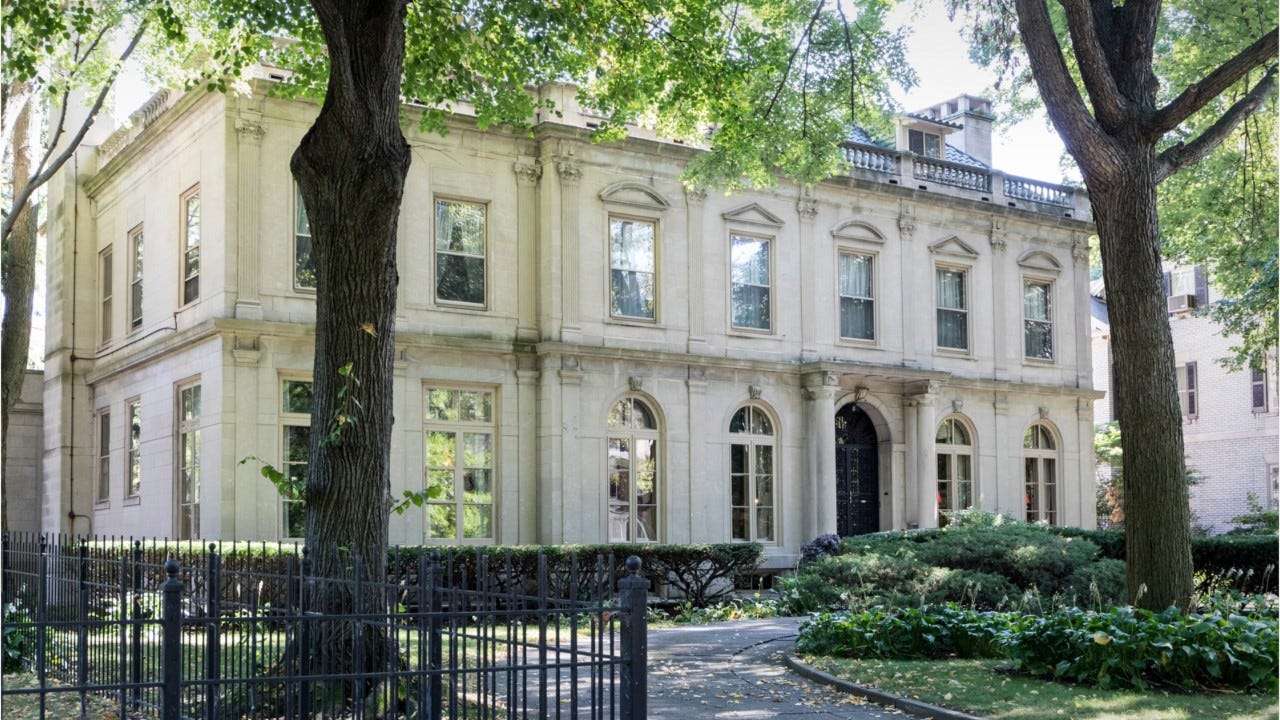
982	687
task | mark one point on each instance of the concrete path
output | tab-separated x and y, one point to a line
735	671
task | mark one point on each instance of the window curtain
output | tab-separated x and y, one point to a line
857	315
953	321
750	276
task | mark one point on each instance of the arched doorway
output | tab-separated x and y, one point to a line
857	472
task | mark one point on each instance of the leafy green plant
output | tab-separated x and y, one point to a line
925	633
18	642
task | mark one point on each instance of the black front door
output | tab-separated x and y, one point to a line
857	473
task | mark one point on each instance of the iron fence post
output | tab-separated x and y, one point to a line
171	690
42	618
213	639
435	653
633	597
82	619
135	665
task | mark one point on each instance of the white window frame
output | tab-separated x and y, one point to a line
460	429
133	449
300	214
1050	309
772	297
290	419
630	435
924	144
1258	378
1039	456
188	249
1188	379
102	457
872	259
967	274
137	253
638	219
184	429
484	257
952	451
752	442
106	288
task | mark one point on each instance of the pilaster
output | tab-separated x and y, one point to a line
695	201
528	172
922	398
570	173
249	134
820	390
807	210
999	291
696	386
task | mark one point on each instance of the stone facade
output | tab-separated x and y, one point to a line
22	457
1230	430
528	378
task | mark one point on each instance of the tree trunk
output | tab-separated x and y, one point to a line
351	167
19	279
1156	511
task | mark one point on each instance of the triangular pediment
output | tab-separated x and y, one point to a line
754	214
1039	260
857	230
635	195
953	246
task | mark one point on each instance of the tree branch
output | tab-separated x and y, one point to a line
1062	101
42	172
1183	154
1110	106
791	60
1215	83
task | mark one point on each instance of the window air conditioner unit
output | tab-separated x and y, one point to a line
1181	303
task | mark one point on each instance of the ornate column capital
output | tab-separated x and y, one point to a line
527	173
568	169
1080	251
695	195
807	208
250	131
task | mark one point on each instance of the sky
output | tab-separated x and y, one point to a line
941	60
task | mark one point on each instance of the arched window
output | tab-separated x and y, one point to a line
633	472
1040	453
752	487
955	468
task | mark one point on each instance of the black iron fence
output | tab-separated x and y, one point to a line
115	628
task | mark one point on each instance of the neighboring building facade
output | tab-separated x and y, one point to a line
22	471
587	350
1229	425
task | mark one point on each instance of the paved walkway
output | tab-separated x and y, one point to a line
734	671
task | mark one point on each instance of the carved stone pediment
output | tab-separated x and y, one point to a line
955	247
634	194
753	214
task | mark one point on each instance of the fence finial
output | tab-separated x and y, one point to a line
633	564
171	567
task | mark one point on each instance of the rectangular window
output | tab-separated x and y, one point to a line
295	446
749	282
460	252
1187	390
459	442
1258	384
632	274
1273	486
953	313
1037	314
857	304
133	454
135	278
304	266
104	456
188	480
105	273
926	144
191	246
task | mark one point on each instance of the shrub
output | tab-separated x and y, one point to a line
925	633
1098	585
820	547
1026	555
18	642
1136	648
1246	562
972	589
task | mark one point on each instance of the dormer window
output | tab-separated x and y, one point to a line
926	144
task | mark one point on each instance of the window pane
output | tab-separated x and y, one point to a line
739	522
764	524
477	521
632	294
304	264
751	306
750	260
964	481
631	245
646	473
440	405
441	449
619	471
191	403
944	467
760	424
951	289
642	417
193	222
738	459
460	227
1032	490
441	521
646	523
953	329
855	276
1035	301
442	479
738	490
764	459
477	450
295	520
460	278
474	405
297	396
857	319
764	491
944	433
739	422
297	443
1039	340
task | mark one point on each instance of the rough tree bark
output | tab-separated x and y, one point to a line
351	167
1113	139
19	280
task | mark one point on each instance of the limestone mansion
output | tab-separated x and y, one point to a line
588	350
